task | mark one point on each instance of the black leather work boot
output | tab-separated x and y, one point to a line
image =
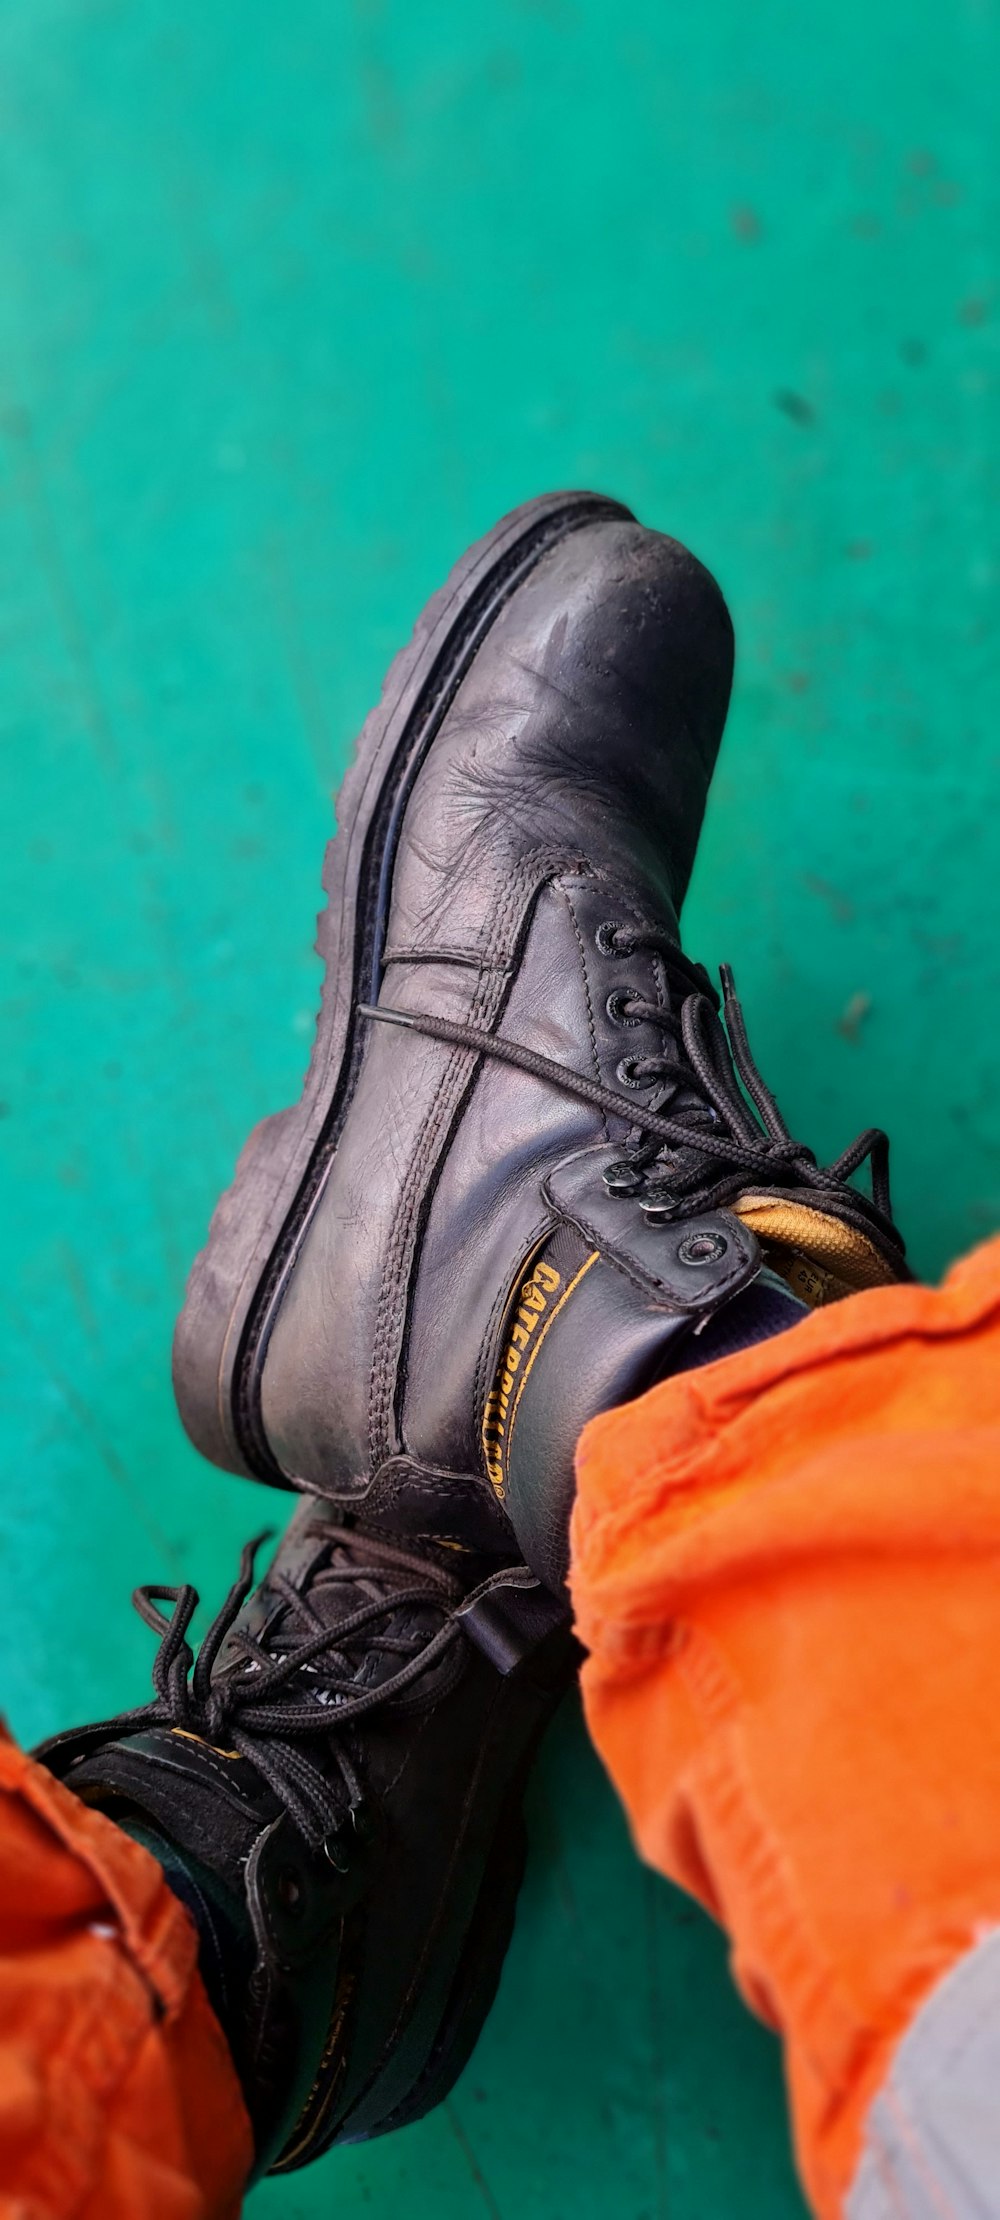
334	1790
525	1168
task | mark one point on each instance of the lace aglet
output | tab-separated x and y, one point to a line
385	1016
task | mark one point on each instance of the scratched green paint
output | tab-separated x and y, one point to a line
293	301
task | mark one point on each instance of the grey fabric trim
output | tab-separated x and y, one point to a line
932	2139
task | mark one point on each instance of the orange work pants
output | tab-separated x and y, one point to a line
118	2099
785	1573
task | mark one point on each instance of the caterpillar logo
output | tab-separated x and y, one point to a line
534	1301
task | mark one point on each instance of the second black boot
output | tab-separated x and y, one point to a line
333	1788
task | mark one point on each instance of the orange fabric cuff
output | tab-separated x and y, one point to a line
118	2095
785	1572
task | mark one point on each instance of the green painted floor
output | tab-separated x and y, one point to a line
294	299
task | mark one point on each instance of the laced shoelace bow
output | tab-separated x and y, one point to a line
257	1713
728	1132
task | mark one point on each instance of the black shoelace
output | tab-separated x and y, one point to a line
723	1131
266	1702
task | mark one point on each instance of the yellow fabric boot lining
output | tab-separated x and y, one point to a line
821	1259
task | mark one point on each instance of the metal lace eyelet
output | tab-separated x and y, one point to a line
616	1009
627	1073
702	1248
606	938
622	1178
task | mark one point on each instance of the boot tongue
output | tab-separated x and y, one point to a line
819	1257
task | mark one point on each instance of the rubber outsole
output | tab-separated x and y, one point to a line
237	1282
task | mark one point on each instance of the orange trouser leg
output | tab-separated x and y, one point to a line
786	1573
118	2098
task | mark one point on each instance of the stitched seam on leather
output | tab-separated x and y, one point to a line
458	1850
212	1765
392	1312
408	1754
380	1405
546	1329
598	1075
472	957
488	1355
635	1272
433	1487
533	871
